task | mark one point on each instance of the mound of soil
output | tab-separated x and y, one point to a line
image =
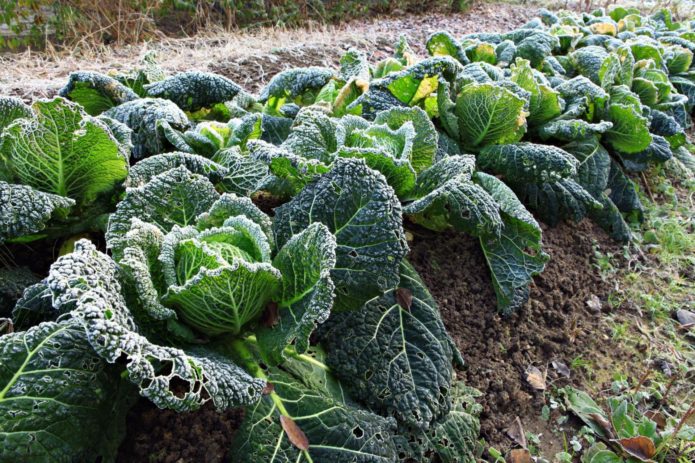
556	325
165	436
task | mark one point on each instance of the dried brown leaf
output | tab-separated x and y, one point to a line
520	456
603	422
404	298
594	303
561	368
657	417
536	378
640	447
294	433
515	431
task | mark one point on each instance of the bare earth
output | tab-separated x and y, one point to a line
252	58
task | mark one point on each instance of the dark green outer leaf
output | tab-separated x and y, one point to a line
528	162
362	211
96	92
194	90
395	359
59	400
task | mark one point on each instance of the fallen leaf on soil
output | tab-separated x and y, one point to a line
657	417
640	447
271	315
685	317
6	326
294	433
404	298
594	303
520	456
561	368
603	422
268	388
515	431
535	378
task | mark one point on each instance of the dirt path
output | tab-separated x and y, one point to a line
251	59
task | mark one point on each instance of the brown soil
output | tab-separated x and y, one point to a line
165	436
556	324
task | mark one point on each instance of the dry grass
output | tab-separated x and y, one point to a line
249	57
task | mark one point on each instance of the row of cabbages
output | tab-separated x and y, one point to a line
310	315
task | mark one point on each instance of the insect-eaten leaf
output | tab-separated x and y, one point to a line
294	433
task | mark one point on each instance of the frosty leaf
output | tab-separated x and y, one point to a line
244	176
194	90
175	197
307	290
96	92
444	44
572	129
298	85
59	400
425	142
142	172
489	114
362	211
528	162
395	360
25	211
65	152
564	199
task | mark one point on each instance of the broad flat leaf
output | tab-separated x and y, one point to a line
96	92
362	211
516	256
334	431
528	162
175	197
59	400
26	211
630	131
64	151
307	290
85	285
396	361
194	90
489	114
582	405
143	116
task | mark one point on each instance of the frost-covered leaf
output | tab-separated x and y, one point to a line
85	285
194	90
516	256
26	211
59	400
622	191
244	175
425	142
397	360
12	108
307	290
313	136
13	281
658	151
96	92
545	103
564	199
142	116
528	162
399	173
175	197
444	44
65	152
594	164
489	114
446	197
583	98
298	85
335	432
572	129
666	126
362	211
142	172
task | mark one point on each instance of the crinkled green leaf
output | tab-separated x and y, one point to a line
65	152
59	400
528	162
142	117
399	173
313	136
395	359
298	85
96	92
564	199
12	108
362	211
572	129
545	103
630	131
582	97
307	290
194	90
26	211
666	126
175	197
142	172
13	281
622	191
336	432
245	175
425	142
444	44
231	205
658	151
516	256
